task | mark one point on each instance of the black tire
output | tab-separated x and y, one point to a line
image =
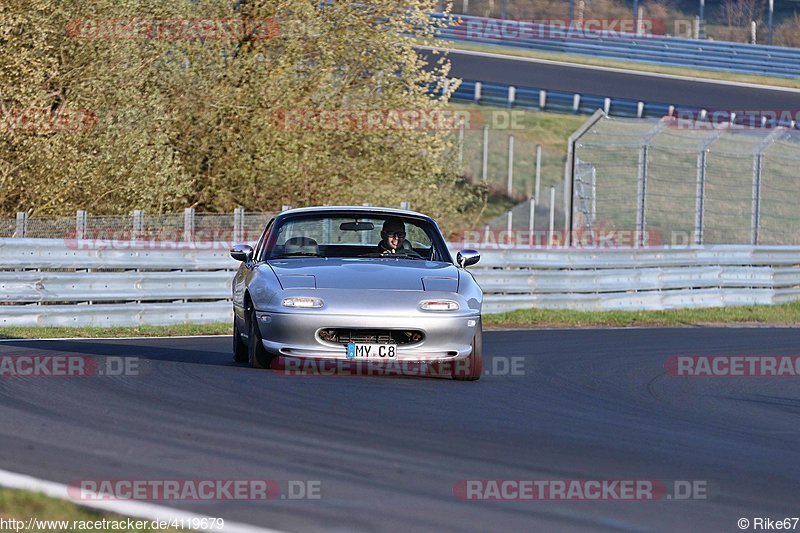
240	353
471	368
257	355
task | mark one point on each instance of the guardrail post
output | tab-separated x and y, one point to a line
80	224
138	225
538	173
510	184
485	159
576	102
405	205
188	224
542	99
238	225
477	95
512	95
639	109
606	105
510	224
22	225
285	207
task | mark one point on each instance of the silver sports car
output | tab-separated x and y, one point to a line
357	284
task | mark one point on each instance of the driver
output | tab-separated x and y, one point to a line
392	236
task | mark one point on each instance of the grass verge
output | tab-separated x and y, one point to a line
782	315
63	516
793	83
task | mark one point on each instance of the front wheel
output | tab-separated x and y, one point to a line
471	368
257	354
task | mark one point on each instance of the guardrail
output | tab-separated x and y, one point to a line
563	102
661	50
55	282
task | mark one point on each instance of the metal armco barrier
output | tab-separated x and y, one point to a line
661	50
55	282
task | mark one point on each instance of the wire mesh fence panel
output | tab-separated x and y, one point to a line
729	190
780	188
682	183
612	148
8	227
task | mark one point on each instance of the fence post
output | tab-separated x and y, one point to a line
510	225
531	220
485	161
700	193
238	225
776	134
552	218
188	224
138	225
80	224
510	184
569	171
538	173
641	192
22	225
593	210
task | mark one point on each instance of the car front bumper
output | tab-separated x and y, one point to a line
296	334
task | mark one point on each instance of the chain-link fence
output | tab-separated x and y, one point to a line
684	182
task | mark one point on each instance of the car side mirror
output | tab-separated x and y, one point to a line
242	252
466	258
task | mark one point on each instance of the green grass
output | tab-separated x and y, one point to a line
134	331
785	314
644	67
22	505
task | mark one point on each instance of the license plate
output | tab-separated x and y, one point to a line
373	352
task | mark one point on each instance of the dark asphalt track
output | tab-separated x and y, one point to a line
592	404
678	92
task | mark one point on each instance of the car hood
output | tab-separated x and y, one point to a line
385	274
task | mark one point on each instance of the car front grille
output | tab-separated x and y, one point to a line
371	336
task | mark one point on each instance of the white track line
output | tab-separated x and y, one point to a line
613	69
115	338
135	509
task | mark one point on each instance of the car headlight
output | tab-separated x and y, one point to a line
438	305
302	302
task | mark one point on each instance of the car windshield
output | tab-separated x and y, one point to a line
361	235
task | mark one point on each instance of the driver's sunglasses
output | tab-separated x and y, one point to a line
396	234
